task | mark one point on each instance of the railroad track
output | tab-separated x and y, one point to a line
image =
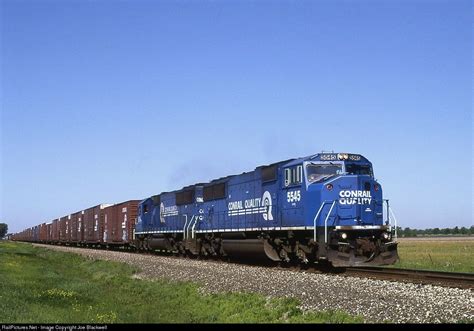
440	278
447	279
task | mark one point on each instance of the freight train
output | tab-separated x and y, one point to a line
326	207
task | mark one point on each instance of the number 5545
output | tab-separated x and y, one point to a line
293	196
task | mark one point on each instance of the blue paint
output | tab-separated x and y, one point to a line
289	200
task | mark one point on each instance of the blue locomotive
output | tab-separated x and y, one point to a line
326	206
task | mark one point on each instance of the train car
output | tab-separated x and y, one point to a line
22	236
63	225
49	232
94	224
42	232
26	235
80	227
55	231
324	207
35	234
75	227
119	223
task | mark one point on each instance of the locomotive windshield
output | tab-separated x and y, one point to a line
320	172
358	169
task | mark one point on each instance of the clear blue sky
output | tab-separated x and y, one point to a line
105	101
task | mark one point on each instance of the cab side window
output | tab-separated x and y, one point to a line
293	175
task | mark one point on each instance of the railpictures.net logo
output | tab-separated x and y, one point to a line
86	327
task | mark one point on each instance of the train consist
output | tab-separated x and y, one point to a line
324	207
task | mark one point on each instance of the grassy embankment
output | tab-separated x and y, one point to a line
436	254
42	286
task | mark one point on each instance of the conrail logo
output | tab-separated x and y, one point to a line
261	205
355	197
167	211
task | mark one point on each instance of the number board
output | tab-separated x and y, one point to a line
328	157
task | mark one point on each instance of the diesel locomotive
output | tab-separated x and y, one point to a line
324	207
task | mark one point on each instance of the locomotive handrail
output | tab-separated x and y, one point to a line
393	214
187	228
326	223
388	213
184	228
390	210
192	229
316	217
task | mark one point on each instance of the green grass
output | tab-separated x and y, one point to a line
452	255
43	286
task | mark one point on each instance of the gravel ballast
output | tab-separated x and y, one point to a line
375	300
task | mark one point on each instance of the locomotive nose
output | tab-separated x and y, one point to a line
358	199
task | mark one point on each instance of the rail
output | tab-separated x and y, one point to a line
443	278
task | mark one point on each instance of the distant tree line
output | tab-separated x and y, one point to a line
407	232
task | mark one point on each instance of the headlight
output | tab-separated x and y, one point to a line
386	236
343	235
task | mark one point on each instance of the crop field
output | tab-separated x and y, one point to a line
454	254
43	286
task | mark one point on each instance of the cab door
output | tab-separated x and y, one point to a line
291	198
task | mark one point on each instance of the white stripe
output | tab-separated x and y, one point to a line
234	230
247	211
258	229
173	213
